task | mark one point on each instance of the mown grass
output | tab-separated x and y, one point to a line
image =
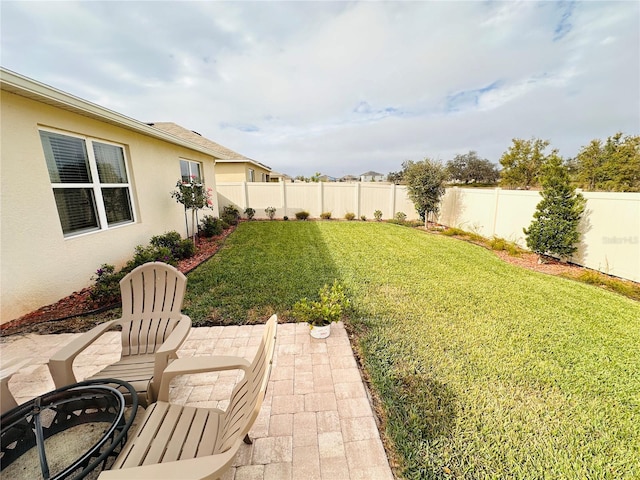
262	269
483	369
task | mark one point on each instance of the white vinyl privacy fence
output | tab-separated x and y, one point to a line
610	228
316	198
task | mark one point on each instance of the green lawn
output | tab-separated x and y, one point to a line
484	370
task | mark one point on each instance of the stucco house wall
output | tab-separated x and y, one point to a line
237	171
39	265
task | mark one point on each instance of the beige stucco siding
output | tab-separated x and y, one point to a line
238	172
38	264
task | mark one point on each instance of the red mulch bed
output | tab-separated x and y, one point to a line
59	317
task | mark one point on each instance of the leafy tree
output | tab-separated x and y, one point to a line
395	177
522	163
588	165
469	168
425	185
621	168
611	166
554	229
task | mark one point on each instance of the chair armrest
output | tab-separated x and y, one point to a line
203	468
61	363
167	351
7	402
176	337
201	364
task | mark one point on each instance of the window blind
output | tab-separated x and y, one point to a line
66	157
110	161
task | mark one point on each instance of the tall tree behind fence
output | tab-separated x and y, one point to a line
610	226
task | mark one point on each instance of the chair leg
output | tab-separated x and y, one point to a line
247	440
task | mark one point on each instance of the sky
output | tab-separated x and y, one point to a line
343	88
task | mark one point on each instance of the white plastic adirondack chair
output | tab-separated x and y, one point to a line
153	328
185	443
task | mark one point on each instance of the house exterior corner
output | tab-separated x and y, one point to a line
44	255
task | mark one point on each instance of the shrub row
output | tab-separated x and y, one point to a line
168	248
304	215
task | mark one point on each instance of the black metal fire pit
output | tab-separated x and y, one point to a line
96	404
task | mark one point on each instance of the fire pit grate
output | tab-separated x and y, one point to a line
35	424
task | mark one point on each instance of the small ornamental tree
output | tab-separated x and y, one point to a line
425	185
193	195
554	229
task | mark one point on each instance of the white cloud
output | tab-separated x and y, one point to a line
343	87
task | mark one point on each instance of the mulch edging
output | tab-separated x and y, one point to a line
79	304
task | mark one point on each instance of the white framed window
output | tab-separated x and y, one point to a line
90	182
252	175
189	170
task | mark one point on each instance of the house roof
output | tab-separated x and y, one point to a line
26	87
17	84
371	174
224	154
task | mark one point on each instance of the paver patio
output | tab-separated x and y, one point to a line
316	421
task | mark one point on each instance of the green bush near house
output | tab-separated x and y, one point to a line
106	287
230	215
325	215
349	216
180	248
168	248
211	226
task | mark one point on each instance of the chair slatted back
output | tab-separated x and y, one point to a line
152	297
248	394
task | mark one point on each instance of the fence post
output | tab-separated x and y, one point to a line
357	188
393	199
245	197
283	197
321	196
495	212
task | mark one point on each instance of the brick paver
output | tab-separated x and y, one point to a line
316	421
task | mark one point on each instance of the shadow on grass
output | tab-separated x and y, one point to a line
263	268
422	413
419	413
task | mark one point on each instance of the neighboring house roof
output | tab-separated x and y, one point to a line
19	85
372	174
349	178
327	178
275	174
224	154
